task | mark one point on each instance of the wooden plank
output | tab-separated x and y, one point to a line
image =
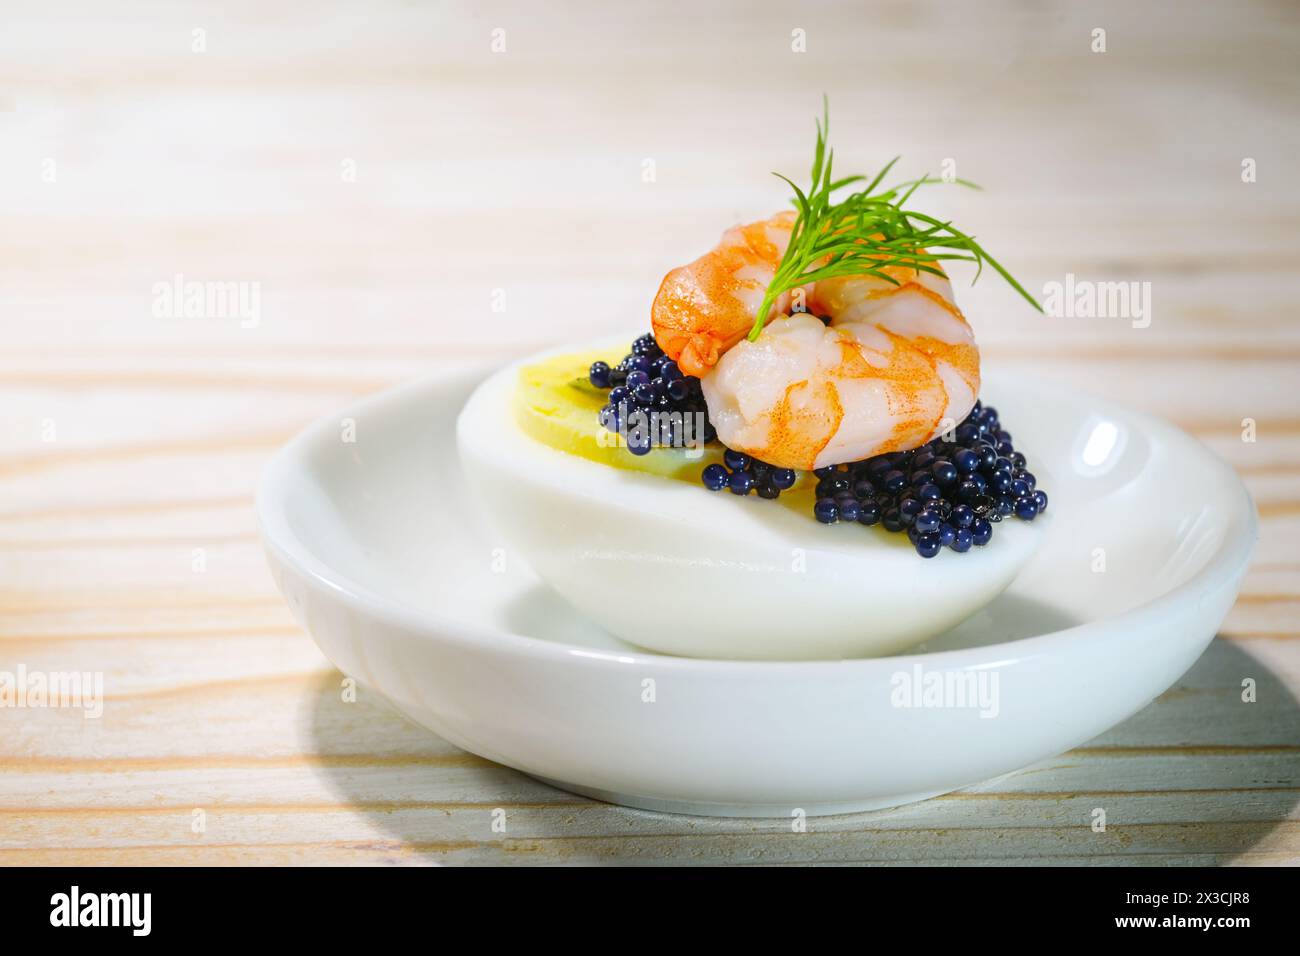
128	440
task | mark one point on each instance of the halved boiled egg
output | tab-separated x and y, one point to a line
640	546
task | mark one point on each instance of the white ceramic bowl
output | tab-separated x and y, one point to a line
378	551
667	566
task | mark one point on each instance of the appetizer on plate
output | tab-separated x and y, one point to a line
816	359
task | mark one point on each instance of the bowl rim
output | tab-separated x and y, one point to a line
284	546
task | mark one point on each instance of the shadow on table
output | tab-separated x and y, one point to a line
1197	777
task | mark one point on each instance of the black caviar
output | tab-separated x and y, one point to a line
651	402
950	492
947	493
741	474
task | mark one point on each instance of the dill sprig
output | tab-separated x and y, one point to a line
866	232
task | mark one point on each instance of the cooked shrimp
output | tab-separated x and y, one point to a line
704	308
896	366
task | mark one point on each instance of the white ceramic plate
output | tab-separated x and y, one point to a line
377	548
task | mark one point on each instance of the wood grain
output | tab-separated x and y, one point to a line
127	441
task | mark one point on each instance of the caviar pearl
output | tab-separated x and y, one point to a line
981	532
741	482
735	460
945	472
962	539
826	511
928	545
715	477
834	486
1026	508
966	460
927	522
598	374
868	513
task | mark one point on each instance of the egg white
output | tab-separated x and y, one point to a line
674	568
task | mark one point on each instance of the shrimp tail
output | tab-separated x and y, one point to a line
676	314
705	307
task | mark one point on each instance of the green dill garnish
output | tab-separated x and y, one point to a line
866	232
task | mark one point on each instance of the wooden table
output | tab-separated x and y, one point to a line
377	173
